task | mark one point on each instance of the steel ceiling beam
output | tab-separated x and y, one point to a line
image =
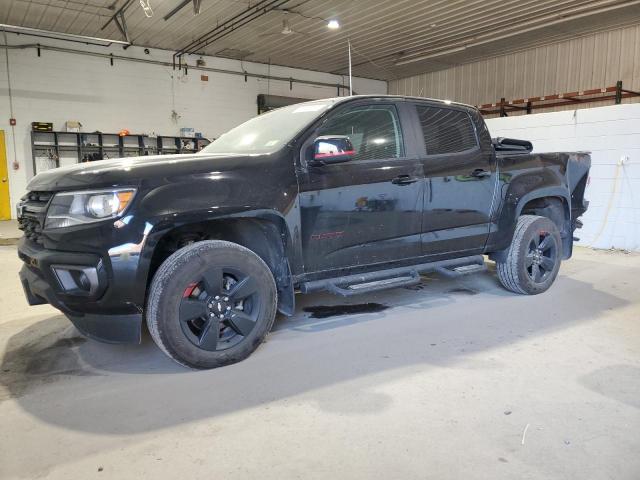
122	26
119	13
223	29
179	7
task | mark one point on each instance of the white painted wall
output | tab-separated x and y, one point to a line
59	86
612	134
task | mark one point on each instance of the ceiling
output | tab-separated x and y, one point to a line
390	39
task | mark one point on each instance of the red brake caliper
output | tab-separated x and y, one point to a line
189	290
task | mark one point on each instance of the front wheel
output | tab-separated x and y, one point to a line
532	260
211	304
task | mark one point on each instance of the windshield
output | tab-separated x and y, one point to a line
270	131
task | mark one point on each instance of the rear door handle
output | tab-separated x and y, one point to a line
404	180
480	173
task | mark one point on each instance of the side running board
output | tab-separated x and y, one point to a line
462	270
395	277
412	278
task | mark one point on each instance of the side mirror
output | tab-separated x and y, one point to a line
332	149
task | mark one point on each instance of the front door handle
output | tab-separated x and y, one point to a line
404	180
480	173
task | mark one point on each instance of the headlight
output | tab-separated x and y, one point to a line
76	208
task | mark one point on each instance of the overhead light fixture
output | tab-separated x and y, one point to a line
333	24
146	8
405	60
69	37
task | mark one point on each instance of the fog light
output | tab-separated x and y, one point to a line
76	280
81	279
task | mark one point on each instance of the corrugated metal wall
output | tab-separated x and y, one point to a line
593	61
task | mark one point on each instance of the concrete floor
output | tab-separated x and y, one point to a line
9	232
443	384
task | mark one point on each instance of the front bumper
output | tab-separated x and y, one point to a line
56	278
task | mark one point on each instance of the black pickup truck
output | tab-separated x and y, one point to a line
350	195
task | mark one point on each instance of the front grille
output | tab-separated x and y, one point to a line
32	210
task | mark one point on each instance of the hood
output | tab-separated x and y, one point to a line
133	170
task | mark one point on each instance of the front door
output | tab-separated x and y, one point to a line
367	210
460	179
5	205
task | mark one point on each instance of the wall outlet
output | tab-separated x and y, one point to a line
623	159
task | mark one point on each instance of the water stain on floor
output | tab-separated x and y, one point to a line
43	353
325	311
55	358
464	291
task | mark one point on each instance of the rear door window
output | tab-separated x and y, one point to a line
446	130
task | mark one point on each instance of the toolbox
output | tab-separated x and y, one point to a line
42	126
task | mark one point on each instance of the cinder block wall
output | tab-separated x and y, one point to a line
57	87
612	134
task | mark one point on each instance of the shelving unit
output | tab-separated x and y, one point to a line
503	107
55	149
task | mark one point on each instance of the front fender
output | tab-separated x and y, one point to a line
150	254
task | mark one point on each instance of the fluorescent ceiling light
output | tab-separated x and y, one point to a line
333	24
146	8
405	61
36	32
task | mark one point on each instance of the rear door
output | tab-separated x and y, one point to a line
369	209
460	178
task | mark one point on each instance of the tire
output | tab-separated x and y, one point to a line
532	261
211	304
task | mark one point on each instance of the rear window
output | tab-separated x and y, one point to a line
446	130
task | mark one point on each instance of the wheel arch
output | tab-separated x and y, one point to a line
558	193
554	204
263	232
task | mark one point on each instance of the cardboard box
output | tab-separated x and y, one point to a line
72	126
188	132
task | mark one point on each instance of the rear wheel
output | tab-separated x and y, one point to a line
211	304
533	259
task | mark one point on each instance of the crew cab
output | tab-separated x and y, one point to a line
350	195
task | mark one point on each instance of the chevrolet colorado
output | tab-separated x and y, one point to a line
350	195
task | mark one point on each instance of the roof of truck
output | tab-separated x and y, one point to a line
400	97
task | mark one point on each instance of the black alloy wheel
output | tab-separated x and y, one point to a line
542	256
531	263
211	303
219	309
